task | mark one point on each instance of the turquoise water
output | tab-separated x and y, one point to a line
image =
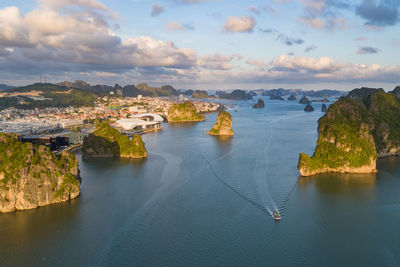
200	200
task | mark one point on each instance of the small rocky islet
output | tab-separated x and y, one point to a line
304	100
259	104
308	108
223	125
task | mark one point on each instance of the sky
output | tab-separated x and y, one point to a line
203	44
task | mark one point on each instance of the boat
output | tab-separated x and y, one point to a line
276	215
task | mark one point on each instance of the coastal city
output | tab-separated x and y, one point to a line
63	120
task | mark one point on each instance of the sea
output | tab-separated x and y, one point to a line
201	200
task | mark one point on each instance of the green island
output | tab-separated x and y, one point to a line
354	132
185	112
200	94
106	141
223	125
32	176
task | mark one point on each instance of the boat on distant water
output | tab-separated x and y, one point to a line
276	215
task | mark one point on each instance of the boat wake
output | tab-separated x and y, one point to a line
234	189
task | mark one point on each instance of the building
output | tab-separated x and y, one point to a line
139	122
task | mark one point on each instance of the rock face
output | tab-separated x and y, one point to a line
275	97
292	97
223	125
308	108
32	176
184	112
323	108
304	100
353	134
259	104
106	141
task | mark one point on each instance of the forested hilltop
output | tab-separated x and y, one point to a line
43	95
75	94
354	132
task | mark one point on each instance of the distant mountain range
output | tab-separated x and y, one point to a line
311	93
5	87
42	95
128	90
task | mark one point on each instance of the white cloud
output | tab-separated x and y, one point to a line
174	26
64	44
56	4
239	24
217	61
257	63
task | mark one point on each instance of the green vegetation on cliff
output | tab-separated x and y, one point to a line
223	125
184	112
106	141
354	132
32	176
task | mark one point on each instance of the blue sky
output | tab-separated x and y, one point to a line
203	44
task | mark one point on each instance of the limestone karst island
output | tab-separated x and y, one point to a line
106	141
185	112
354	132
223	125
32	176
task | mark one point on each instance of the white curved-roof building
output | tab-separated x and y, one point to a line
156	117
129	124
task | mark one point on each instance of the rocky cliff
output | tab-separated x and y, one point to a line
354	133
185	112
106	141
32	176
223	125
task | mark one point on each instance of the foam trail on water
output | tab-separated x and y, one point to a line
233	189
